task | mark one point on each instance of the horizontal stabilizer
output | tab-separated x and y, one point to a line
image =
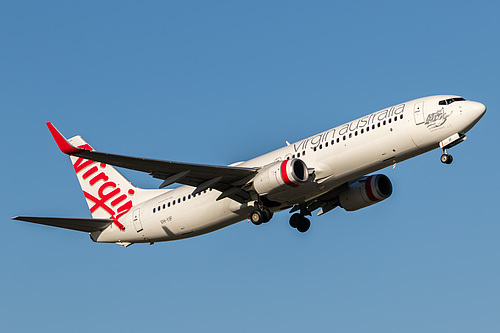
85	225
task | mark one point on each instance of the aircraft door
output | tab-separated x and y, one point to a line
418	112
137	220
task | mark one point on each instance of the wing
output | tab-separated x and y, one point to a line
85	225
228	180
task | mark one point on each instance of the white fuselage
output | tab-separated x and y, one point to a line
337	156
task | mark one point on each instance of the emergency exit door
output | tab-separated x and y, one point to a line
137	220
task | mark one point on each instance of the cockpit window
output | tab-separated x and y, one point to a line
451	100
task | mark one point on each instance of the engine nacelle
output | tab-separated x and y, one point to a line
281	176
365	191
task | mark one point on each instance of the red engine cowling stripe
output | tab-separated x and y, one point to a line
284	174
369	191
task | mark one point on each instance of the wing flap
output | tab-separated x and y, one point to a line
78	224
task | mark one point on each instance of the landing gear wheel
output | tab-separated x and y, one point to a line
257	217
268	215
260	216
304	225
294	220
446	159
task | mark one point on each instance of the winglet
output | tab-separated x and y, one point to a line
61	141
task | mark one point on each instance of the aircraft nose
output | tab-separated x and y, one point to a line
476	111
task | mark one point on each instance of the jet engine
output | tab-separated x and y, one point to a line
280	176
365	191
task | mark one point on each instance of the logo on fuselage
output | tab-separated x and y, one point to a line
437	119
349	128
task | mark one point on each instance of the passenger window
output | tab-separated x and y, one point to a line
350	135
356	133
401	117
154	210
163	206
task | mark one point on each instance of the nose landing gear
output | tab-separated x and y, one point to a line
445	158
449	142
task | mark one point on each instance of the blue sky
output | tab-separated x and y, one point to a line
222	81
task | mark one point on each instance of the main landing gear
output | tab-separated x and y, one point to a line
300	222
261	215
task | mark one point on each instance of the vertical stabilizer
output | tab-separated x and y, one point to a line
108	193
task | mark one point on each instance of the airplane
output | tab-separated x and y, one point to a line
327	170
